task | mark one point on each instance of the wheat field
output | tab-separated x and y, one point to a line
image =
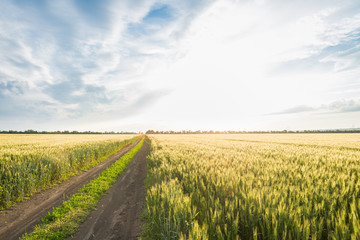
30	163
253	186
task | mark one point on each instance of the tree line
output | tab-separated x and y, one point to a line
357	130
30	131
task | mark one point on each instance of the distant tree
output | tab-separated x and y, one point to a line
30	131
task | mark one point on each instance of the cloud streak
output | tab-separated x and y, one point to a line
340	106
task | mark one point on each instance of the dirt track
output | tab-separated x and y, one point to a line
21	218
117	215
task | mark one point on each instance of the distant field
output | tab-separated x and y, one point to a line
13	141
348	140
253	186
29	163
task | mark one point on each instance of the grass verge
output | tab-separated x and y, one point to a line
64	220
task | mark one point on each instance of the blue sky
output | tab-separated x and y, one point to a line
137	65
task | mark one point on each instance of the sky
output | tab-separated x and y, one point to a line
133	65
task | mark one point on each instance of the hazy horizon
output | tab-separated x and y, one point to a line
251	65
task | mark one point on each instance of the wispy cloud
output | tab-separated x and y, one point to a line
70	58
340	106
82	61
296	109
323	42
343	106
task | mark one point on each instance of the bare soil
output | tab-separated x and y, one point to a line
117	215
23	217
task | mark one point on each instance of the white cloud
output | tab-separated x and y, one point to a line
223	64
226	74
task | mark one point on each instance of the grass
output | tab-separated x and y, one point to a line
64	220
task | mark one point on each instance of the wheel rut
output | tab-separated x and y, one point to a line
117	215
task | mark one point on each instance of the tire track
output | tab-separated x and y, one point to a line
117	215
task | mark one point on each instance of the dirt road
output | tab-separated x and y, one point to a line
22	218
117	215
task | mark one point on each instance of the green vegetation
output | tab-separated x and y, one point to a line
30	131
29	164
252	187
65	219
345	130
